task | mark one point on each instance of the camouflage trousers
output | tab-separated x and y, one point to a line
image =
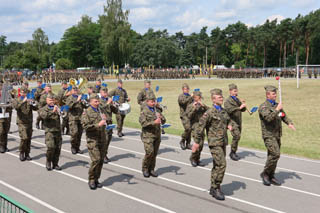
25	133
109	137
76	133
97	151
273	145
151	147
4	130
120	121
219	165
186	135
39	119
65	124
53	141
196	155
236	135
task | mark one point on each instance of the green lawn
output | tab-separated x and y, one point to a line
301	105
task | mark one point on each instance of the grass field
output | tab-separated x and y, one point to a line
301	105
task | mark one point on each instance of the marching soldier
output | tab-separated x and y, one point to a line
150	120
194	111
94	123
97	88
235	107
217	121
184	100
76	108
63	94
37	96
123	97
53	139
24	108
107	105
4	127
271	114
142	96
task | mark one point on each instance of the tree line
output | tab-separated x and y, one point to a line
111	41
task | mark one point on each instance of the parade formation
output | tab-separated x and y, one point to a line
79	107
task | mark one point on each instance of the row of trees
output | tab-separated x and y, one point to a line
111	40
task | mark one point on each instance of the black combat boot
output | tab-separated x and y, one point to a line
106	159
48	165
217	193
234	156
37	125
200	163
22	157
153	173
193	162
274	180
57	167
163	132
73	151
92	185
98	184
182	144
28	158
79	151
2	149
188	145
265	179
145	173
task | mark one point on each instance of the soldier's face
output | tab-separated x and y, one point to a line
94	102
196	98
120	85
39	84
98	82
22	93
48	89
151	103
185	90
50	101
271	95
234	92
103	93
217	99
147	85
64	86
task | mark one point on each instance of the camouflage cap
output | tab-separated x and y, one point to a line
105	89
90	87
24	89
93	96
270	88
51	96
150	96
147	81
232	86
216	91
185	85
119	81
197	93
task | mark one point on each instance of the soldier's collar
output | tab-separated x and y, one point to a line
187	94
217	107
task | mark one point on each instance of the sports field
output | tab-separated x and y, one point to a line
301	105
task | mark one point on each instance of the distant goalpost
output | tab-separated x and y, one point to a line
299	66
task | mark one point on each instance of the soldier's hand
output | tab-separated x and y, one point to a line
102	122
291	126
279	107
79	97
109	101
157	121
128	99
55	108
195	147
230	127
243	106
25	99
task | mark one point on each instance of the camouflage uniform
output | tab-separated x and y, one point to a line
74	114
184	100
215	121
62	100
142	96
150	135
96	141
4	130
194	114
24	122
123	98
53	139
37	96
271	133
232	105
109	109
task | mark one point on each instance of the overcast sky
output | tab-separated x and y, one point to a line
19	18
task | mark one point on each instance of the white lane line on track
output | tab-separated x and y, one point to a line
47	205
162	178
242	148
105	188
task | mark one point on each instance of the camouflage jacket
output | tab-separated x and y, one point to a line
38	93
51	120
194	113
142	96
271	121
96	89
147	118
62	98
43	100
75	108
184	101
90	122
216	123
232	107
108	108
24	111
121	92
